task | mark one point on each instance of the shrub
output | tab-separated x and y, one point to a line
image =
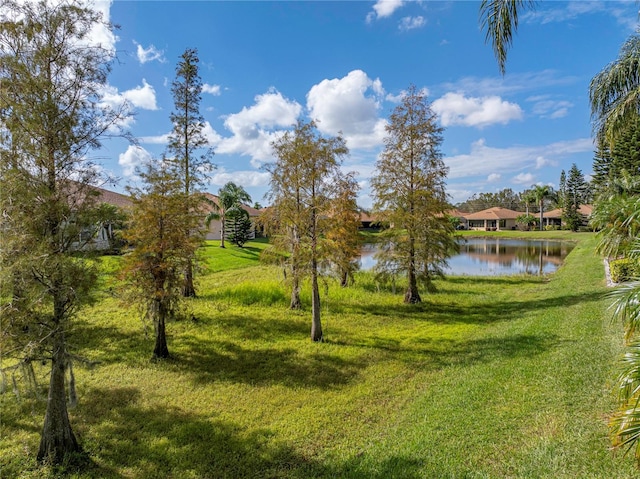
624	269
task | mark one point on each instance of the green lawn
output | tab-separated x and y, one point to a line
489	378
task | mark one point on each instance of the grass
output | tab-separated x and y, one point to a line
489	378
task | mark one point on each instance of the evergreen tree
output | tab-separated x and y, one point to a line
575	193
52	118
188	146
409	196
239	231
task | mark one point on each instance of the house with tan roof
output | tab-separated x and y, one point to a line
493	219
554	217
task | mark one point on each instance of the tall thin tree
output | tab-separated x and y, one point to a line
409	195
52	115
188	146
303	180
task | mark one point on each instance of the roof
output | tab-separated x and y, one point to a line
456	213
113	198
585	210
495	213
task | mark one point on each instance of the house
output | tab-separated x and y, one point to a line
367	221
554	217
460	216
215	227
492	219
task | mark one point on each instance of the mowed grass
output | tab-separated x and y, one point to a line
490	377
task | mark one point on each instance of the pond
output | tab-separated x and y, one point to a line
496	256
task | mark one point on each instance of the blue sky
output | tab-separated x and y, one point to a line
345	64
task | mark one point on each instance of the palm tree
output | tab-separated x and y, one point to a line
500	21
230	197
615	92
540	193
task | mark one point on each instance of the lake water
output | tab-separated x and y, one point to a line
496	257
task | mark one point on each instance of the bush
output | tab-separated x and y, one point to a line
624	269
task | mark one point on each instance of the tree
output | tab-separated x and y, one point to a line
52	117
541	193
188	145
303	180
343	235
500	21
240	228
163	246
409	195
574	196
230	199
614	93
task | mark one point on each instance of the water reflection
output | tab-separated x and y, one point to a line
496	257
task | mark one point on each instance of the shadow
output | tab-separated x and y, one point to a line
228	361
127	439
432	354
485	312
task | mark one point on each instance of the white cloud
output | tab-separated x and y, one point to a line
545	107
523	179
510	84
493	177
456	109
247	178
349	105
209	133
155	140
411	23
384	9
100	34
211	89
134	156
139	97
483	160
149	54
255	128
625	13
541	162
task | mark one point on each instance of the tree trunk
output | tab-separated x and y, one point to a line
160	351
188	289
57	440
541	213
295	291
316	326
344	278
222	231
412	296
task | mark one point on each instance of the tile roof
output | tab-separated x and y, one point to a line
495	213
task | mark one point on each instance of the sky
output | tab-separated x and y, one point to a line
345	64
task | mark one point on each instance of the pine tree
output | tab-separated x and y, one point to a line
574	196
188	146
409	196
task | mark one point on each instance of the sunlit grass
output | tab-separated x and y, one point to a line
490	377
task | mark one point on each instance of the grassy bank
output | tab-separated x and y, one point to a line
490	377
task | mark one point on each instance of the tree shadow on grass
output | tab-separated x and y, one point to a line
485	312
126	439
431	354
228	361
